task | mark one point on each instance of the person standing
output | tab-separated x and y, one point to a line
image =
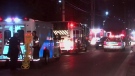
14	50
35	46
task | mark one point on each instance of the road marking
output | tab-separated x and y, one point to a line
122	70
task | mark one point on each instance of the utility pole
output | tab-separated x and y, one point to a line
63	10
92	13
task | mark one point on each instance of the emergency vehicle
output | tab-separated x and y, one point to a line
95	35
25	27
114	42
70	33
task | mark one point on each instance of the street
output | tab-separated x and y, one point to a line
91	63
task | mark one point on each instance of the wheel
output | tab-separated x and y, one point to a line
46	59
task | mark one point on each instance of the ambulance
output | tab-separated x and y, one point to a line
70	33
25	27
96	34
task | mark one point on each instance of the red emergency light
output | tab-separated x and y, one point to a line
26	19
0	19
71	24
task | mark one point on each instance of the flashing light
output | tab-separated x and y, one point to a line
106	13
114	36
8	20
96	30
60	1
122	35
71	24
133	32
111	36
17	19
13	20
25	19
0	19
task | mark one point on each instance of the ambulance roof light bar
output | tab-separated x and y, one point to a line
16	20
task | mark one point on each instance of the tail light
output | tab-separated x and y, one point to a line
119	43
104	42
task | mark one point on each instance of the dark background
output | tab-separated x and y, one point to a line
121	12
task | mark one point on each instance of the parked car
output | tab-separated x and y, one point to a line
100	43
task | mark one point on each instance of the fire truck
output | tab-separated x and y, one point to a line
25	27
71	33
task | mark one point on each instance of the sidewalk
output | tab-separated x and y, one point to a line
131	67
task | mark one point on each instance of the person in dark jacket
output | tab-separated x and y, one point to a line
35	45
14	50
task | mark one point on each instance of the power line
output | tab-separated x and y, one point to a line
77	8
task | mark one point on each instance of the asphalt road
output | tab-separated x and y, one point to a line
91	63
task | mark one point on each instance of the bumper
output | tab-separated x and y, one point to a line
113	47
63	48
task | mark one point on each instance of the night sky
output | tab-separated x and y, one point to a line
121	12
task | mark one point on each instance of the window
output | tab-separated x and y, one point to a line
7	35
77	31
21	35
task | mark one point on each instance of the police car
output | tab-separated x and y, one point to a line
114	43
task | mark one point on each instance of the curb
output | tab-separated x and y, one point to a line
131	68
